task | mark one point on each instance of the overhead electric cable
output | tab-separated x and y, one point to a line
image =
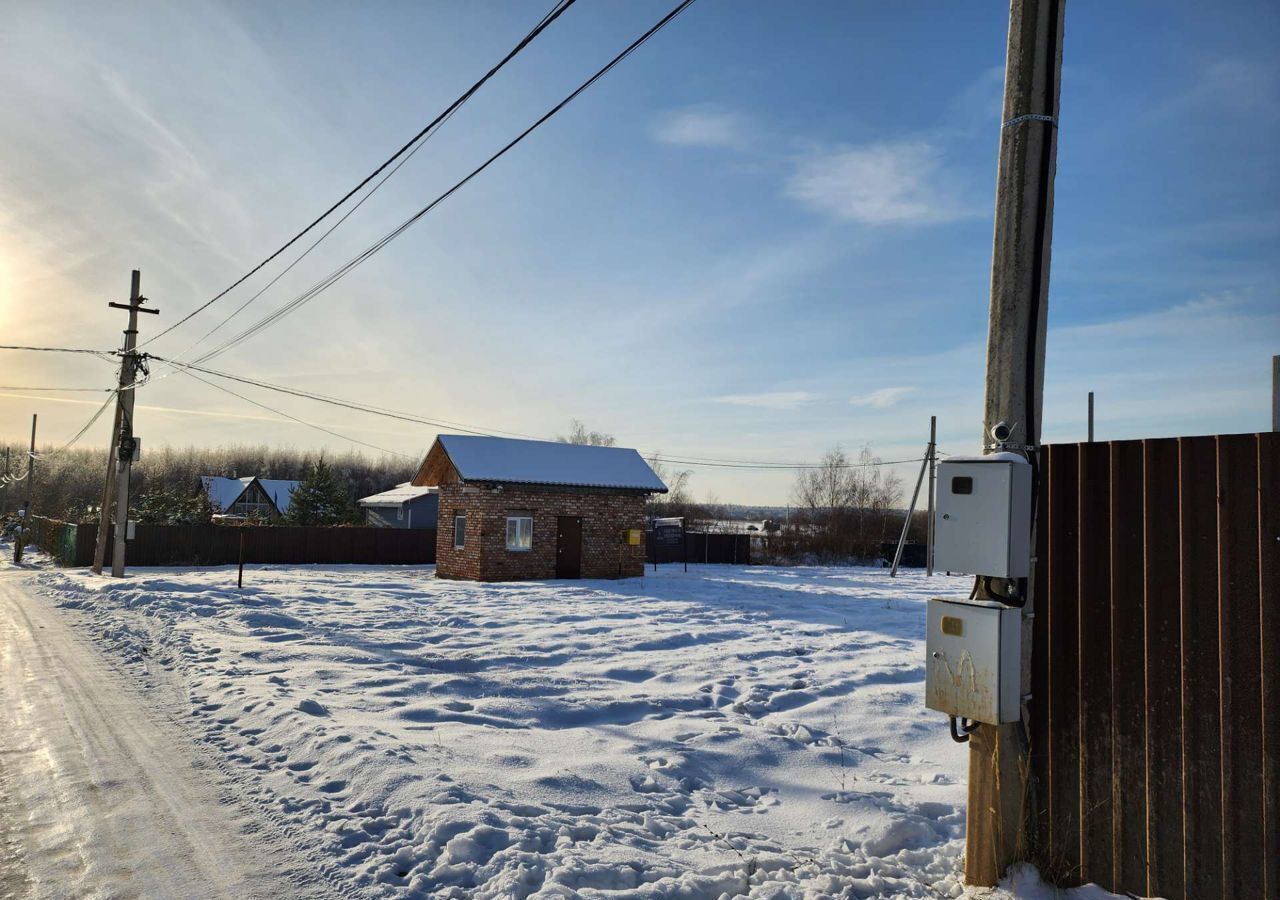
57	349
711	462
295	418
337	274
27	387
76	437
410	147
789	467
346	404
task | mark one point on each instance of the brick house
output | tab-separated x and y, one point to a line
515	510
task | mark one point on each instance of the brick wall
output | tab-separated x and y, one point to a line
485	557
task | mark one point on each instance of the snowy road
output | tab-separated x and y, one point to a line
101	794
700	736
378	733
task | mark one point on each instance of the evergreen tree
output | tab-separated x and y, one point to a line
172	507
321	499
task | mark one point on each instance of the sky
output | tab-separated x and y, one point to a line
765	234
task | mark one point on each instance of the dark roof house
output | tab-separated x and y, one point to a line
518	510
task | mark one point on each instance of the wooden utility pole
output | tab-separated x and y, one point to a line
999	820
20	539
108	490
7	488
120	458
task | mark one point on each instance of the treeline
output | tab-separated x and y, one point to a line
843	511
68	485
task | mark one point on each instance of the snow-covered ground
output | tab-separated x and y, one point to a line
730	731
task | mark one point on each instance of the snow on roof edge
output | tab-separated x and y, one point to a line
550	463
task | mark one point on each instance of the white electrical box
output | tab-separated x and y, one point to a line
974	660
983	516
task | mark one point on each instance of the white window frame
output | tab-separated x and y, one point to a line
459	517
517	519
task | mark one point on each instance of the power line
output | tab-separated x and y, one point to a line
27	387
789	467
708	462
81	433
337	274
103	353
555	13
346	404
295	418
40	457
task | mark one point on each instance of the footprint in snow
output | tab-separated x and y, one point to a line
311	707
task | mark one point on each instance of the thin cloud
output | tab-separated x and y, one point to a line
884	398
1232	85
878	184
702	127
768	400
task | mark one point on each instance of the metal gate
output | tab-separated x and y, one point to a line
1155	730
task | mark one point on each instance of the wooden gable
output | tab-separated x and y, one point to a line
436	469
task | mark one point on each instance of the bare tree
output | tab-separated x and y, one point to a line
845	504
826	495
580	434
678	500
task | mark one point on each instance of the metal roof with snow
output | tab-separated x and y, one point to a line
223	492
280	490
397	496
515	461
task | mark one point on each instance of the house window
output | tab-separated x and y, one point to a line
520	531
459	530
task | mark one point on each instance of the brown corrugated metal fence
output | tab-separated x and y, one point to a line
1156	672
213	545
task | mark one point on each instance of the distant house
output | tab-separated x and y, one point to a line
514	509
243	498
404	506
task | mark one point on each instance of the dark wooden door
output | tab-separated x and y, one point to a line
569	547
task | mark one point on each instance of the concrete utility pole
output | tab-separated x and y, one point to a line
120	459
999	820
926	466
1091	417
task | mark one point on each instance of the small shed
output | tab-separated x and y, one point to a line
404	506
521	510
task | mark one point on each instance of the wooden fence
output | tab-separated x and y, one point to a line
213	545
1155	727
